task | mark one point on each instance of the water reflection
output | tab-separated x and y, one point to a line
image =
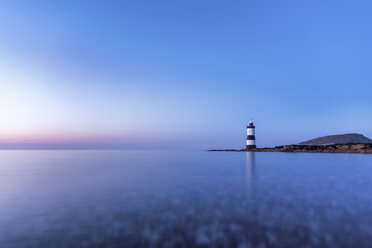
184	199
251	160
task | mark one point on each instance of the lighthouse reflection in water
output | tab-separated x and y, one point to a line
251	168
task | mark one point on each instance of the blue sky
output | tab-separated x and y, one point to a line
182	74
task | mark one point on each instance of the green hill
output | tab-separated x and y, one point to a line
338	139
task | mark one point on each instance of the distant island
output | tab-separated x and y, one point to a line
343	143
349	138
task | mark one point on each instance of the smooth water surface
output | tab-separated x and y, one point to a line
184	199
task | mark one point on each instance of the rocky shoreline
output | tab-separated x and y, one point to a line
333	148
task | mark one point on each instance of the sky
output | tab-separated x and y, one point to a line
182	74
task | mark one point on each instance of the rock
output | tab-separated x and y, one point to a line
340	148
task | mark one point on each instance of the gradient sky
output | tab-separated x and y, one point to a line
182	74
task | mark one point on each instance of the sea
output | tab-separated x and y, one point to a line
79	198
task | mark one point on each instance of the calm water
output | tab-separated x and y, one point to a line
184	199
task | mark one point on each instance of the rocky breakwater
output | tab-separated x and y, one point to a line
334	148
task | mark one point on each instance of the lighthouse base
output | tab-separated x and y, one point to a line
250	147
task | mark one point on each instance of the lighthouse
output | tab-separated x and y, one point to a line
251	139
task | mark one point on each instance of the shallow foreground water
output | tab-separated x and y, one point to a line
184	199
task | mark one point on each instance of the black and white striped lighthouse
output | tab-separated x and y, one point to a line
251	139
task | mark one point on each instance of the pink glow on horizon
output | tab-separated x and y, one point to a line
71	140
68	140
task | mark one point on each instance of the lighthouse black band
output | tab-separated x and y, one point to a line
251	137
250	126
250	146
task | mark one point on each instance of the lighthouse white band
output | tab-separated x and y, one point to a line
250	131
